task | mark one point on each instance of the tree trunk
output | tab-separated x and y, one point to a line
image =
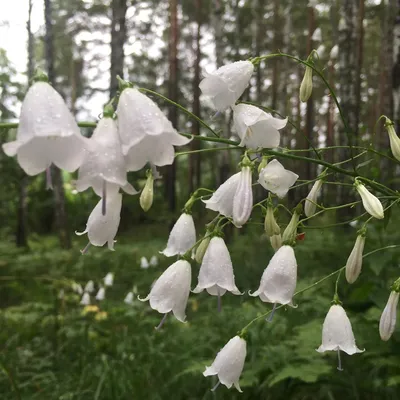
195	159
396	64
118	38
170	175
60	212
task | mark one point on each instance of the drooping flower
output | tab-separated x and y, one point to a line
101	294
256	128
228	364
89	287
275	178
393	138
144	263
354	262
146	133
306	85
387	323
154	261
337	333
47	133
85	301
371	203
311	200
243	199
334	52
317	36
171	291
279	279
147	195
109	279
182	236
129	298
104	167
77	288
101	228
227	84
222	199
216	271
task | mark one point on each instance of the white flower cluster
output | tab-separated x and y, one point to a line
137	134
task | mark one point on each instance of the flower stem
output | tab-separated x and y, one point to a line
162	322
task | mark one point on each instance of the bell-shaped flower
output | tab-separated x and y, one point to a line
109	279
154	261
393	138
387	323
317	36
158	150
227	84
276	242
129	298
146	133
104	167
144	264
85	301
310	205
101	294
354	262
275	178
371	203
279	279
306	85
216	271
256	128
47	133
77	288
182	236
101	228
337	333
334	52
171	291
228	364
89	287
222	199
243	199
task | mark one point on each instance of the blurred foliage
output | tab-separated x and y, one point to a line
54	348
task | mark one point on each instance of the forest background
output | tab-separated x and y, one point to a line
51	347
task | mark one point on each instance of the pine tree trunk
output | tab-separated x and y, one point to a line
118	38
60	212
21	234
170	175
195	159
396	64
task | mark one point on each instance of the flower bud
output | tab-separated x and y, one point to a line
262	164
387	322
310	206
146	197
370	202
354	262
276	242
306	85
290	233
393	138
201	248
270	225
